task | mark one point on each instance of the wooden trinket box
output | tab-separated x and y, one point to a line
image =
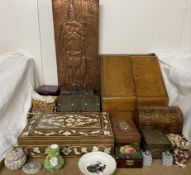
167	119
128	156
130	81
78	100
125	131
156	142
75	133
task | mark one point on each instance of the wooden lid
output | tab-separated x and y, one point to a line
117	88
69	126
148	80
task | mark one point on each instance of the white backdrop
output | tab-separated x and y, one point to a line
126	26
19	29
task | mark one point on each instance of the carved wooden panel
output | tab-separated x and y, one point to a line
76	39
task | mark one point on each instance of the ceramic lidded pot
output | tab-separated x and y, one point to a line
15	158
54	160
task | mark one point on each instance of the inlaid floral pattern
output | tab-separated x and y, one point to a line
69	124
106	123
74	120
72	150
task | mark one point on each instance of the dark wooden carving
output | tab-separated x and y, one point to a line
76	38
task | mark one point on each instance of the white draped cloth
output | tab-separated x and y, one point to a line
17	80
176	69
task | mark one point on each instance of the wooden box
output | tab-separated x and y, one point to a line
125	131
117	86
130	81
156	142
128	156
78	100
78	104
75	133
167	119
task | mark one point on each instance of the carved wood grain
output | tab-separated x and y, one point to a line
76	39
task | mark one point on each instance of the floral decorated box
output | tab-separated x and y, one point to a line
128	156
75	133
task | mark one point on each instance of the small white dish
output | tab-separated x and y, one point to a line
97	163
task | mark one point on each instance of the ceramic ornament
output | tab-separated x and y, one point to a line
15	158
97	163
167	158
54	160
32	168
147	158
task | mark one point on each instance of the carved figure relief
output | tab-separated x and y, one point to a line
76	37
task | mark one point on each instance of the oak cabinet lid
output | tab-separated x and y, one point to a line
128	81
147	77
116	77
117	87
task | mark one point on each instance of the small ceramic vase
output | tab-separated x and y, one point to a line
15	158
167	158
54	160
147	158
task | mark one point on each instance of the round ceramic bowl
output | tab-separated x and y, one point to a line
97	163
